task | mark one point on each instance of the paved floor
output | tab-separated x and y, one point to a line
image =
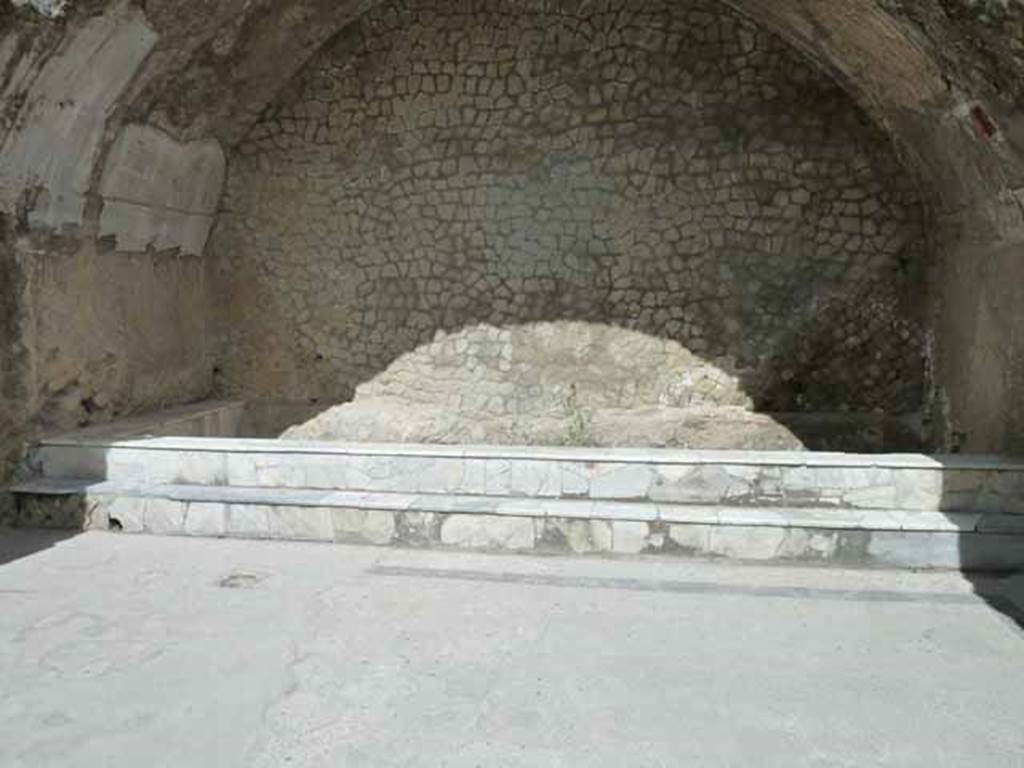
136	651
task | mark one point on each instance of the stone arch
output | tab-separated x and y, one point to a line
197	72
621	186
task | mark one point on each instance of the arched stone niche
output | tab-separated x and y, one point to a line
923	70
664	167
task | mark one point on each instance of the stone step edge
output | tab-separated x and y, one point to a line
817	518
658	456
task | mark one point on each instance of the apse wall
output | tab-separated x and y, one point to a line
660	166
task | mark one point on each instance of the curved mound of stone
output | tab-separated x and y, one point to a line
394	421
559	383
551	367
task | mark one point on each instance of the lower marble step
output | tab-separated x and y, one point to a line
853	537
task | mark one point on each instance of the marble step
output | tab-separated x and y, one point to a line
909	482
890	538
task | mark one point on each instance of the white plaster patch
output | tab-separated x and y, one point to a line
55	149
160	193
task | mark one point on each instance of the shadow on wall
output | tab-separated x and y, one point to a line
578	383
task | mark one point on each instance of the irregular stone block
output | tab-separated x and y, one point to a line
280	471
248	521
746	543
575	479
496	476
881	496
629	538
534	478
164	516
918	489
410	474
1002	492
371	473
700	484
488	532
86	462
622	481
965	491
805	485
418	529
361	526
689	539
576	536
300	523
327	472
206	519
132	466
807	544
182	467
450	475
919	550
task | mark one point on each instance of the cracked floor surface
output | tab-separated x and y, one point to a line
119	650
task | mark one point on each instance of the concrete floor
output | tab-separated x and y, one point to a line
137	651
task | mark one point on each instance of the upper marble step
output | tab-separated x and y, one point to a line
909	482
103	438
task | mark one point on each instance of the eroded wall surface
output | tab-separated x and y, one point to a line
946	79
102	228
664	167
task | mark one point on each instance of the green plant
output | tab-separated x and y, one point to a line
578	418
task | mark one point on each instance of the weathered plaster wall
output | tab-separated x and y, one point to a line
660	166
111	332
91	334
104	292
980	313
946	78
12	360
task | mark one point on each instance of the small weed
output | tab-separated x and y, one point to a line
577	428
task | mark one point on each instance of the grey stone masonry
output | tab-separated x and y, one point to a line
442	176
